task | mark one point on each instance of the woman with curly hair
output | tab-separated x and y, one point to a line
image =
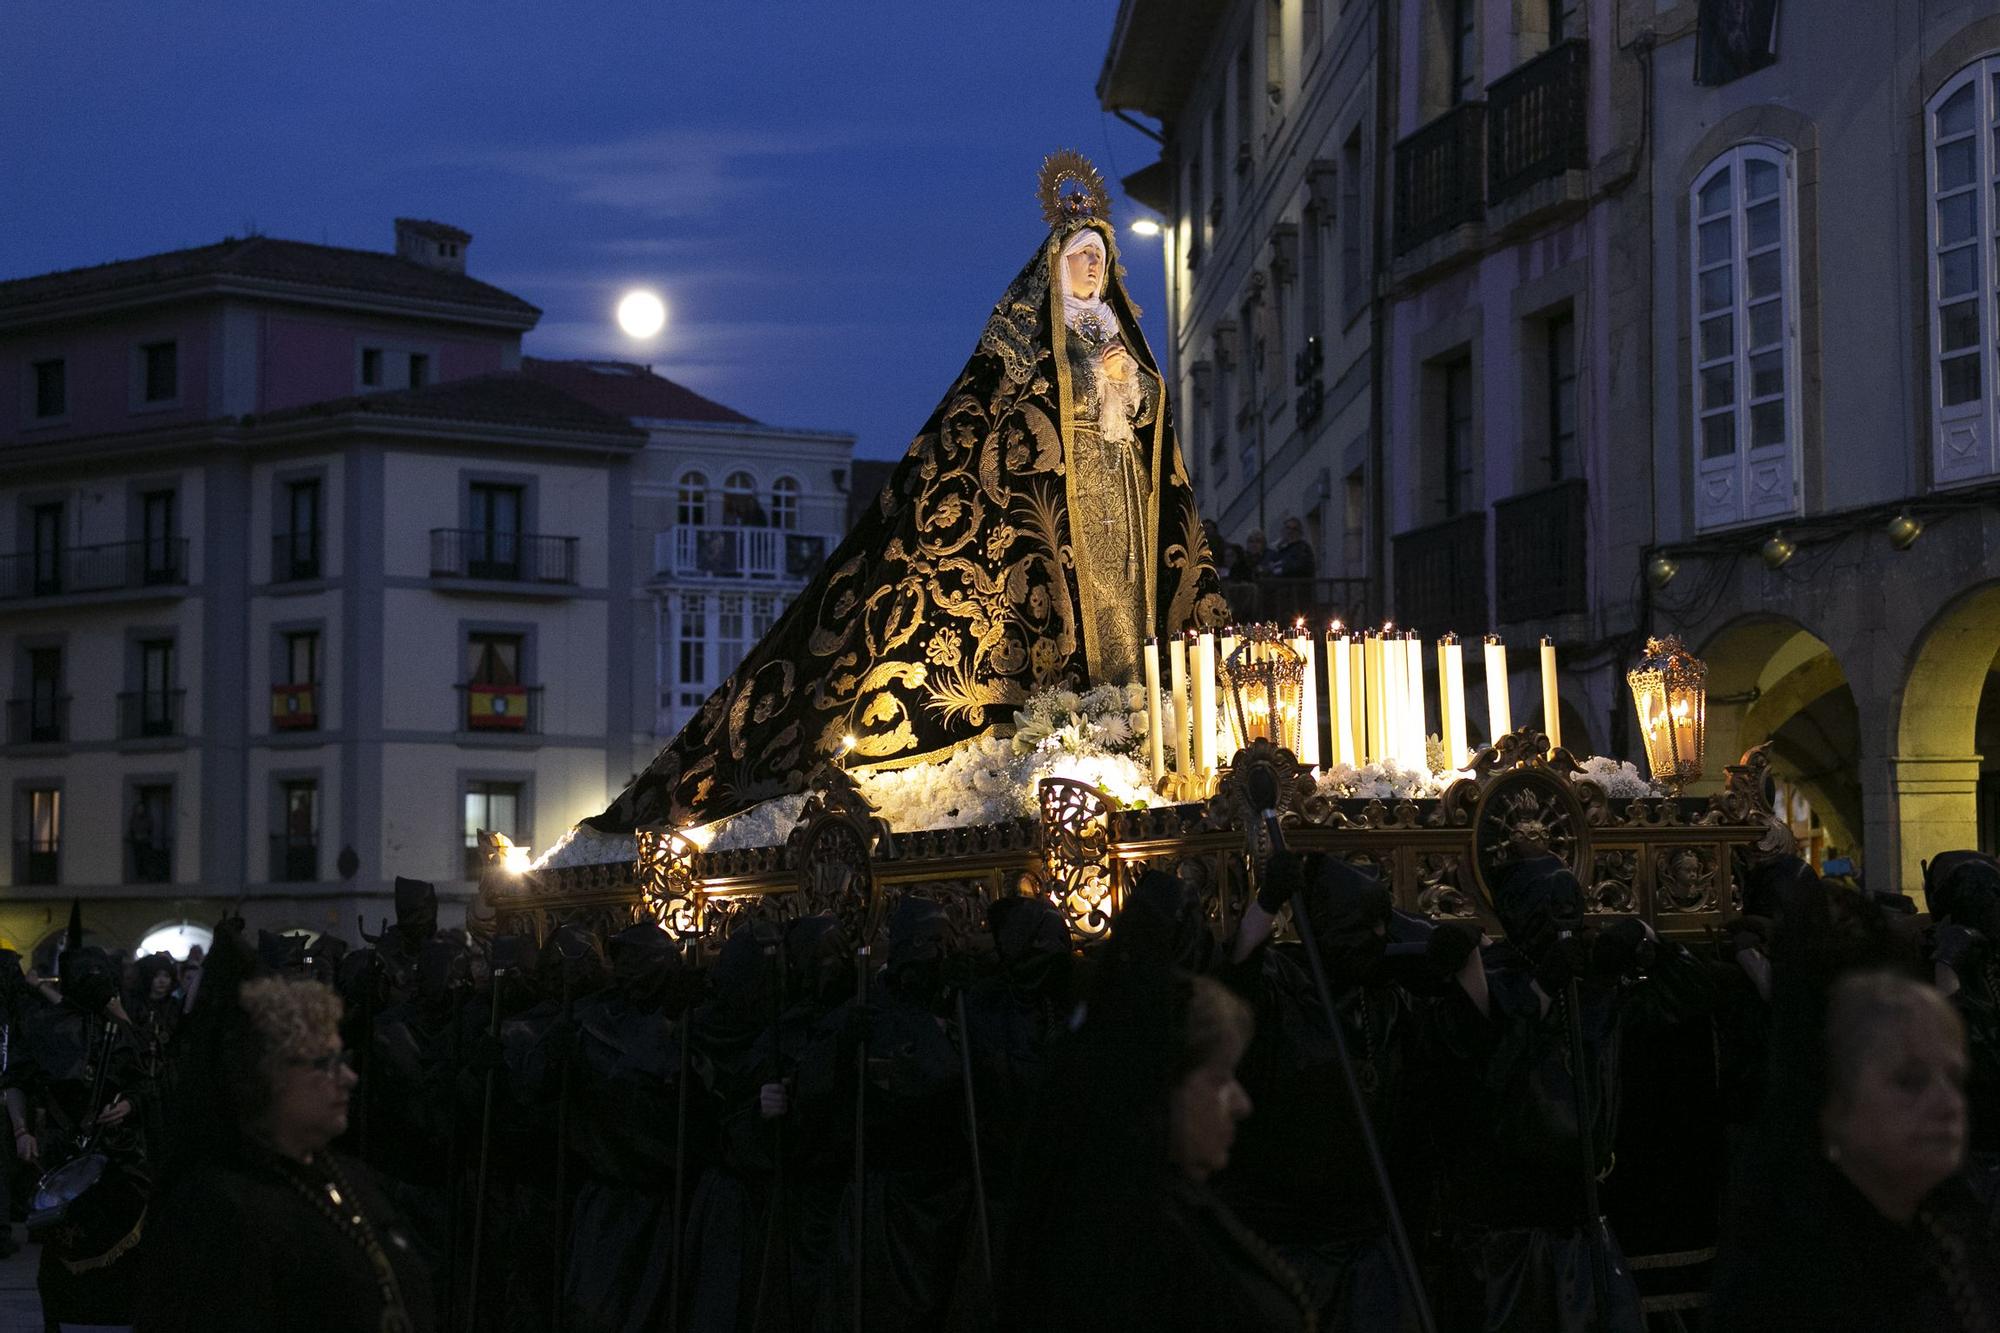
260	1226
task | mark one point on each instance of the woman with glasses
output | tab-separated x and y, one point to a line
261	1226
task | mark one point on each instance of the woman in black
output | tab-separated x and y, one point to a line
261	1227
1114	1224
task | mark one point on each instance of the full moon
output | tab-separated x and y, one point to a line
641	315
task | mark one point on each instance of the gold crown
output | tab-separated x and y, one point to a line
1086	196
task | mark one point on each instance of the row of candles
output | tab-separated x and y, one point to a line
1364	689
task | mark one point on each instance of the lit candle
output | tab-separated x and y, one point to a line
1340	694
1155	736
1378	699
1451	699
1395	699
1499	709
1551	709
1204	703
1419	723
1303	645
1177	662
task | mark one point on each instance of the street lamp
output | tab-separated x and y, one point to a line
1670	691
1266	679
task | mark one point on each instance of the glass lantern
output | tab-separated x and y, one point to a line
1670	691
1265	680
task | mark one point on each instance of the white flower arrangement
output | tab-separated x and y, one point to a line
1383	780
1619	778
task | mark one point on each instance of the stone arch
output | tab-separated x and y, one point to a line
1935	767
1772	680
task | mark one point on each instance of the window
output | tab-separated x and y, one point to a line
45	536
1309	34
156	707
729	640
1197	225
371	367
420	370
1218	157
295	846
1245	118
692	640
159	366
1744	309
1964	184
302	657
45	697
1353	271
1455	455
492	807
149	831
298	545
1560	375
785	504
1562	21
493	659
495	539
1464	37
160	552
764	609
51	389
294	696
1274	55
692	511
739	501
41	851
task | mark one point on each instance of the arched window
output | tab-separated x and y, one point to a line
1744	309
785	503
692	511
739	501
1963	171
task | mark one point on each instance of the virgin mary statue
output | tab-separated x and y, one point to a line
1038	531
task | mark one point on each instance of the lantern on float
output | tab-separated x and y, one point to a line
1266	679
1670	692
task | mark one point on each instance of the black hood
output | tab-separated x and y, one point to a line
644	960
1162	922
1536	899
1963	887
1349	908
416	906
89	979
1775	887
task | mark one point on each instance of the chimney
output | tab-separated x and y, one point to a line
432	244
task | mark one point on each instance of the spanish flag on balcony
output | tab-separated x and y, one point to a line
294	707
496	707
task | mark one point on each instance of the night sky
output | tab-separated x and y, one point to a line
830	197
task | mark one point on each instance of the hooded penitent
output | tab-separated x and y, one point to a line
1019	545
1536	899
416	907
1964	887
1349	909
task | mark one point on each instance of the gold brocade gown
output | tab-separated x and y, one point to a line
1111	500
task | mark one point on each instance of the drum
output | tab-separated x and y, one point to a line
89	1211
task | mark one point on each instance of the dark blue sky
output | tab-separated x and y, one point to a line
829	196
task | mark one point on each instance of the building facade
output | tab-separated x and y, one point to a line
730	519
307	584
1824	407
1266	182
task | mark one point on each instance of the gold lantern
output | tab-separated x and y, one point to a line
1670	690
1266	678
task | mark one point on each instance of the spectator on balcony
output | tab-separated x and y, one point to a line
1246	563
1294	557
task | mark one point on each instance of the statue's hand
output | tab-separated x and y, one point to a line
1116	363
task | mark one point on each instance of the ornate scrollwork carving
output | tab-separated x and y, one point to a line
1745	799
834	848
1076	848
669	890
1528	803
1440	892
1613	882
1686	879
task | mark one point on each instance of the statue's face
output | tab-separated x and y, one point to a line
1083	270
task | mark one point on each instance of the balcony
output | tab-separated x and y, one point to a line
502	557
1284	601
1441	577
39	721
1537	123
1539	553
109	567
294	858
504	710
1440	176
295	708
733	552
295	557
150	714
37	861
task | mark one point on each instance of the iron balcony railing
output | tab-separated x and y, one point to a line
729	551
149	714
509	557
1539	552
1536	120
107	567
1441	577
295	557
1441	176
38	721
1285	601
294	858
37	861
